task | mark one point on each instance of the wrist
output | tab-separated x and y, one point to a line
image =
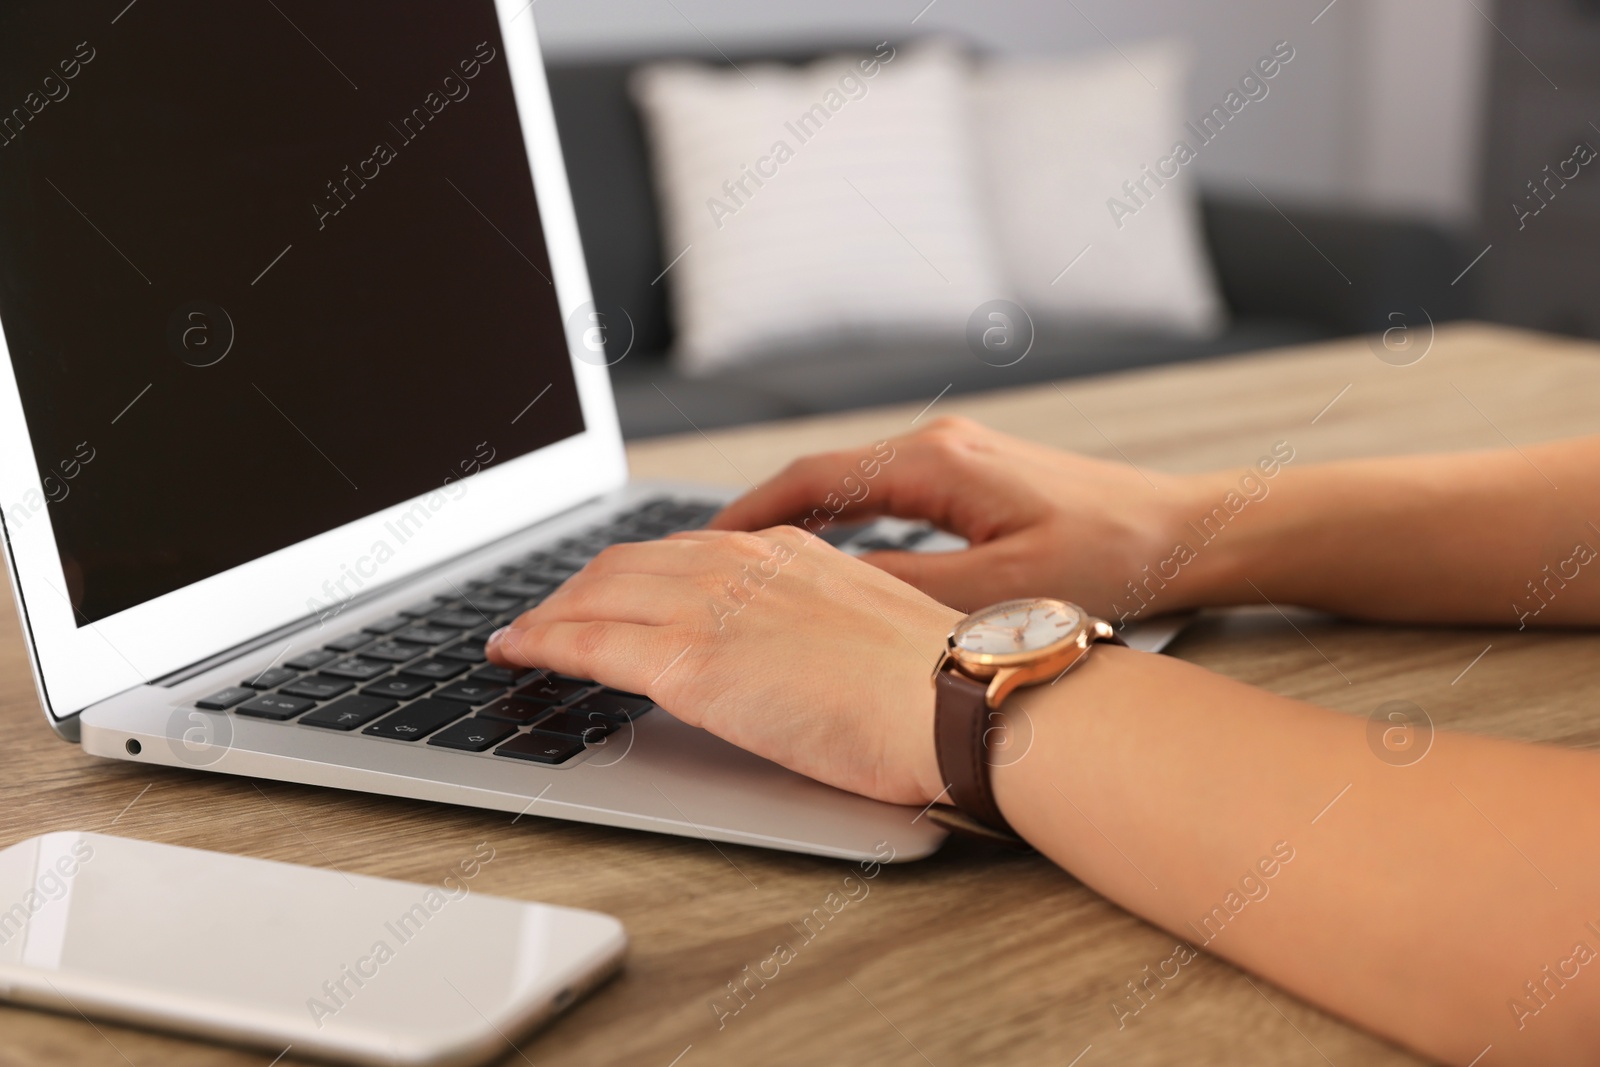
1179	564
921	705
930	782
1050	729
1001	664
1224	526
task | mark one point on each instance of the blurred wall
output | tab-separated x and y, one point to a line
1381	107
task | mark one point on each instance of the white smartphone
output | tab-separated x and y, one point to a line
248	951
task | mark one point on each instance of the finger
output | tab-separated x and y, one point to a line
912	478
622	655
787	495
965	580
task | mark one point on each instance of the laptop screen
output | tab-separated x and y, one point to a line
266	267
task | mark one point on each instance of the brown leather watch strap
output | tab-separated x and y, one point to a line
960	722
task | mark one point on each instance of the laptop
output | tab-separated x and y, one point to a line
305	397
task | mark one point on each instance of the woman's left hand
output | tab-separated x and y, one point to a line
774	640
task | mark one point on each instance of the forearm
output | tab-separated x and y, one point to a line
1401	905
1501	538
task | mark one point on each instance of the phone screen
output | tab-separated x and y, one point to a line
272	954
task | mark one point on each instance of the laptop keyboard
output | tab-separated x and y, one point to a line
421	674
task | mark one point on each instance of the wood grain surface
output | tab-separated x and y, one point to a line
972	956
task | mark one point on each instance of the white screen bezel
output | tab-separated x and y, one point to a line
78	667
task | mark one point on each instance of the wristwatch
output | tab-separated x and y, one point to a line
988	656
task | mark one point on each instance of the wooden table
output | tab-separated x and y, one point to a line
969	957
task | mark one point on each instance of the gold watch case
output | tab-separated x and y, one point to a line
1008	671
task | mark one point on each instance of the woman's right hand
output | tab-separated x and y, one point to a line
1040	522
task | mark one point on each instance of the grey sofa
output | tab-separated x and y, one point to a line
1325	274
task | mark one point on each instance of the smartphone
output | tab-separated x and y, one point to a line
247	951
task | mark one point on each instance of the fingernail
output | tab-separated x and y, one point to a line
494	638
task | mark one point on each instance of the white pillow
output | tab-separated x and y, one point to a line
865	219
1058	138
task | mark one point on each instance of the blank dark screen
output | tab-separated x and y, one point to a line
271	265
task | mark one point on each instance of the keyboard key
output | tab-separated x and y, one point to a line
492	605
473	735
274	706
521	590
540	748
458	618
417	720
349	642
388	625
399	687
471	692
227	698
611	703
423	634
270	678
481	634
392	651
583	727
692	516
436	670
520	712
311	659
550	690
466	652
317	687
549	574
586	546
500	675
357	669
653	530
348	713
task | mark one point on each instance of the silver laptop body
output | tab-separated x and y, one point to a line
247	321
652	773
338	205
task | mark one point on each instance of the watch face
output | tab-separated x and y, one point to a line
1017	626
